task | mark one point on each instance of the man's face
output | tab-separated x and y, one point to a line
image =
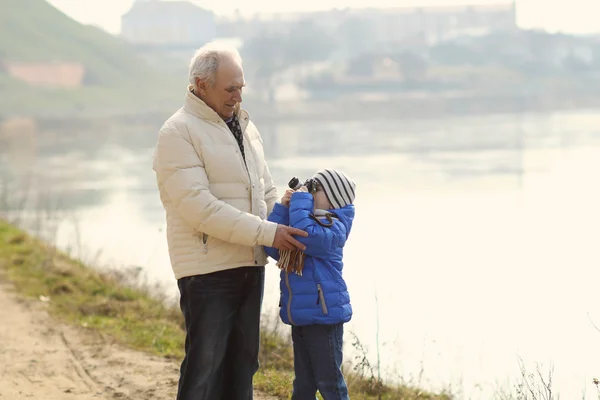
226	93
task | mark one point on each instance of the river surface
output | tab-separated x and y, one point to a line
475	244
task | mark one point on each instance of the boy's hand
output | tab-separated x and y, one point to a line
285	200
302	189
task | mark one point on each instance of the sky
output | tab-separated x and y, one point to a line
568	16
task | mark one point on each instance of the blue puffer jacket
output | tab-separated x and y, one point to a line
320	295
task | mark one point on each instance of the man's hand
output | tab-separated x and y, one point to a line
285	200
284	239
302	189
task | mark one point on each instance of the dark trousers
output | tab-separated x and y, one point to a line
222	321
318	362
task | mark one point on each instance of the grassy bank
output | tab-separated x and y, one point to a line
84	297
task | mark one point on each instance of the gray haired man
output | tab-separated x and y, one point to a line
217	191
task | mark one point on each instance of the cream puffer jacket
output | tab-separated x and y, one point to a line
216	206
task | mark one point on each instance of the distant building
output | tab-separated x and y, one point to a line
169	25
435	24
48	74
387	26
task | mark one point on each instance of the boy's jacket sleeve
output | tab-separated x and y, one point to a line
322	242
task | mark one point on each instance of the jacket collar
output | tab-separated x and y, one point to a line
195	106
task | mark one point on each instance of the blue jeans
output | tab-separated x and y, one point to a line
222	322
318	362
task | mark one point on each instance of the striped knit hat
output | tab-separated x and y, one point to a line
339	189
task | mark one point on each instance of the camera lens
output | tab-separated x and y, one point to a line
294	183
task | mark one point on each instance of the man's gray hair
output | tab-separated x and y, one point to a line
207	58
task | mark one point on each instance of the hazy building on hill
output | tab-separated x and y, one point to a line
377	27
435	24
46	74
169	25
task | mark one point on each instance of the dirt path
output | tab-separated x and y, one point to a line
43	359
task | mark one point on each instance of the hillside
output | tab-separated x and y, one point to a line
35	31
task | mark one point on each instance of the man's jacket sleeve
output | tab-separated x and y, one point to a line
180	171
271	195
280	215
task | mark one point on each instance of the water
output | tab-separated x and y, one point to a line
474	245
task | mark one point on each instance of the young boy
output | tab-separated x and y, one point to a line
314	298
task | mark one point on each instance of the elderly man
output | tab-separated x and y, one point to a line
217	191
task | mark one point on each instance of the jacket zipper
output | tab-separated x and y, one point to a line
239	151
321	299
289	303
204	240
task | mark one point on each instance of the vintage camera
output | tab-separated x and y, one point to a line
310	184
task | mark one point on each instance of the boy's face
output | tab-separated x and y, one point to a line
321	201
